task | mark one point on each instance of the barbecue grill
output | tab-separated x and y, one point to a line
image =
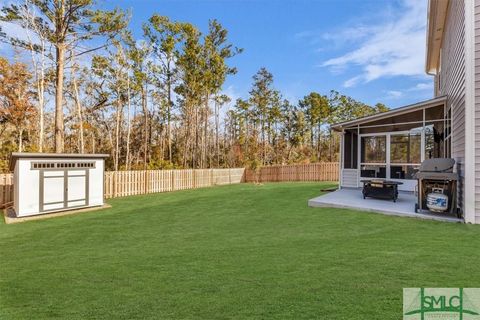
436	176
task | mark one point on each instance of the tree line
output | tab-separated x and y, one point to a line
80	82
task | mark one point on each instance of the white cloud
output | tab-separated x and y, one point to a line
422	86
352	82
349	34
394	94
395	47
339	38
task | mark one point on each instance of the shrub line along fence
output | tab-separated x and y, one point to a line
126	183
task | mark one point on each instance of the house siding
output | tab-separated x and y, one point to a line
451	82
477	108
349	178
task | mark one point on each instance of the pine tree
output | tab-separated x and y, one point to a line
65	24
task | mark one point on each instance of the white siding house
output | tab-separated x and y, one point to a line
451	58
449	72
391	145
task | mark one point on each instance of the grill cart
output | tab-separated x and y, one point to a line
437	186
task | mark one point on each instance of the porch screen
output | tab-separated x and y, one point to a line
350	150
406	148
405	154
373	156
374	149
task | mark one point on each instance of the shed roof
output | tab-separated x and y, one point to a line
392	113
37	155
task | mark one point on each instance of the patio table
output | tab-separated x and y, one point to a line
381	189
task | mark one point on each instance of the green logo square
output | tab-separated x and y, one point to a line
441	303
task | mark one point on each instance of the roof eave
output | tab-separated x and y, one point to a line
383	115
34	155
437	12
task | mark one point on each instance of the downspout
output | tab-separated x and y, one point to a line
469	167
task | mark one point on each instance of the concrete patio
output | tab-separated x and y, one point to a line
351	198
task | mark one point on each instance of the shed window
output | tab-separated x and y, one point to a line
62	165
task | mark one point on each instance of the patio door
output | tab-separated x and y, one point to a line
393	156
373	156
405	157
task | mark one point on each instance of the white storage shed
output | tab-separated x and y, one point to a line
52	182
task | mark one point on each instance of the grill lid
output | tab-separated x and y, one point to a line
437	175
437	165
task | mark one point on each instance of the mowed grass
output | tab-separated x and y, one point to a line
233	252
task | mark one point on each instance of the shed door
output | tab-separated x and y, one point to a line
77	188
52	190
63	189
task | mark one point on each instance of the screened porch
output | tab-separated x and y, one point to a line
393	144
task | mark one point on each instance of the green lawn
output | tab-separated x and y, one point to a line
233	252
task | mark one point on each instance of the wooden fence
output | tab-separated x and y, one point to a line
6	189
126	183
323	171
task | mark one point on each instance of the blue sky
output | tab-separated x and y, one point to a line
373	51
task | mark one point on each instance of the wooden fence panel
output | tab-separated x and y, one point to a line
220	177
323	171
6	189
237	175
125	183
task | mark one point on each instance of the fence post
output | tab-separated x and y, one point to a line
115	184
194	178
146	181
